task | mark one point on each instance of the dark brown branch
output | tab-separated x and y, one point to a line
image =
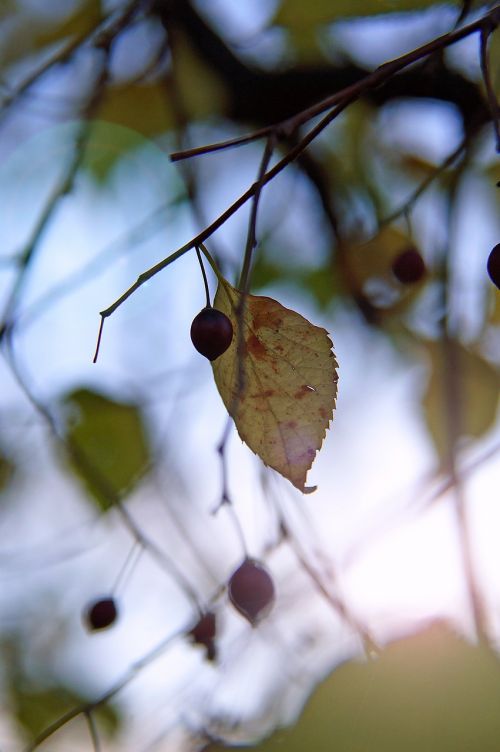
368	82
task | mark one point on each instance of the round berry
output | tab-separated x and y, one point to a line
101	614
211	332
493	265
251	590
203	633
409	267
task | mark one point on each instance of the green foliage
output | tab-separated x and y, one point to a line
32	30
431	691
108	143
35	708
462	395
142	107
294	13
108	447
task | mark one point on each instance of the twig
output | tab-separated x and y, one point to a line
338	101
490	91
225	499
372	80
454	398
244	283
86	708
177	156
98	480
103	31
420	190
93	730
210	229
144	229
340	608
221	451
64	187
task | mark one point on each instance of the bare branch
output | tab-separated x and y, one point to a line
378	77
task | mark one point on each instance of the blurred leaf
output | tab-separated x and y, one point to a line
36	708
319	282
202	92
107	444
431	692
30	30
142	111
144	108
108	144
417	167
494	60
462	387
82	21
374	257
6	471
296	13
289	382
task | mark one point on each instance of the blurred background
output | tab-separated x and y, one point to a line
110	472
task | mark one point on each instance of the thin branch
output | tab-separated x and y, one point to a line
102	33
99	481
177	156
341	100
372	80
87	708
420	190
144	229
210	229
244	283
490	91
221	451
62	189
340	608
94	736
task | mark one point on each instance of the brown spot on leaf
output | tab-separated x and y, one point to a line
256	348
323	413
265	314
263	395
303	391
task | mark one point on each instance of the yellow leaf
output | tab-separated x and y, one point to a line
296	13
282	393
373	258
79	23
144	108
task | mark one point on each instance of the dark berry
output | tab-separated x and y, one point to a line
251	590
409	267
493	265
211	332
203	633
101	614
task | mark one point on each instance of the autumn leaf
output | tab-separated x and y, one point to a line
281	391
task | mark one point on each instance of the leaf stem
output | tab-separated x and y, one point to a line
244	282
205	280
